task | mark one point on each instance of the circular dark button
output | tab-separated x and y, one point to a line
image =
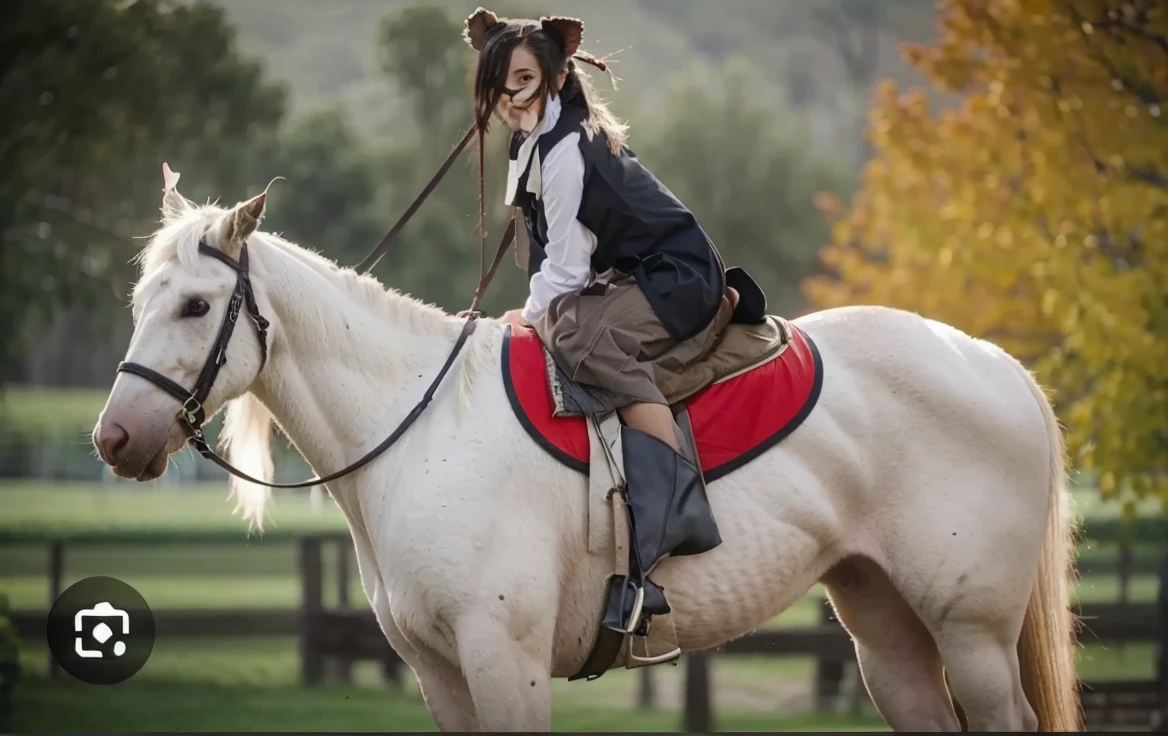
101	631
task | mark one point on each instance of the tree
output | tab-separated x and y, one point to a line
422	50
734	157
436	258
331	182
1034	214
96	95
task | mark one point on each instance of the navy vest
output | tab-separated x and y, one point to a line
641	228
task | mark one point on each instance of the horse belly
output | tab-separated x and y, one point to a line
781	531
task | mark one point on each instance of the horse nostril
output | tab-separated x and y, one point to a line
111	439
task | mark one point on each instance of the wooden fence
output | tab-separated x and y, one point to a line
332	639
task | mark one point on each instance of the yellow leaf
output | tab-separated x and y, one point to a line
1019	213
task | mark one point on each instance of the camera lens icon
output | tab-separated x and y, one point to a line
101	631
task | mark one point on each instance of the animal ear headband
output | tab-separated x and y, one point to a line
479	23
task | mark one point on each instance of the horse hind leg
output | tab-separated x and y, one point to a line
981	657
974	611
898	658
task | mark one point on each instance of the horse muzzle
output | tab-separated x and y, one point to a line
136	452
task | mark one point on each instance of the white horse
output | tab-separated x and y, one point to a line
926	491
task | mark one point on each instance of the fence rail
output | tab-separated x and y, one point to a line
332	640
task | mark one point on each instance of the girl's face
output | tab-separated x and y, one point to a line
523	110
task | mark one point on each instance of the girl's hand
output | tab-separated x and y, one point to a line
513	317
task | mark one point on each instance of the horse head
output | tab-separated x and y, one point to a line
195	289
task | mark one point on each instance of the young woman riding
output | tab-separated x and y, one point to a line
623	280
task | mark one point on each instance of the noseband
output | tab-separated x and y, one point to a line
192	414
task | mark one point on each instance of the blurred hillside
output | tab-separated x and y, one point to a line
820	56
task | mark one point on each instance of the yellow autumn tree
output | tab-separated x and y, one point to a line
1033	213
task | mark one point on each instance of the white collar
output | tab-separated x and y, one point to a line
527	150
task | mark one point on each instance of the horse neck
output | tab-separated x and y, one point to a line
344	371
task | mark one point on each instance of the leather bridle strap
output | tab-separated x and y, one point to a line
485	279
200	441
193	414
379	250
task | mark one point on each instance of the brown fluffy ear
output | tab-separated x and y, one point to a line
240	223
572	30
477	24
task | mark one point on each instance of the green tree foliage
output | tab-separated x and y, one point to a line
330	185
1035	213
96	94
421	49
156	83
437	256
736	161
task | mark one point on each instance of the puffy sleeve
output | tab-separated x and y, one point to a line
570	245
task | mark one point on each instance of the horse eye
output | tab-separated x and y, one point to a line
195	307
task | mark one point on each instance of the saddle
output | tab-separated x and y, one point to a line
753	389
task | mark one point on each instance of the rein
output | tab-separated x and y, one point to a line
192	413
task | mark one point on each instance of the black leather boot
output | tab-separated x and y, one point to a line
669	516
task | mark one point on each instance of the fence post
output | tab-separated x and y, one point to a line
1125	571
647	693
697	693
311	606
391	666
344	665
1160	720
56	563
829	671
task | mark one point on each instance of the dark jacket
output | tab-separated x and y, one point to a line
640	226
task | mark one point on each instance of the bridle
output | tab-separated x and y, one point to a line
192	412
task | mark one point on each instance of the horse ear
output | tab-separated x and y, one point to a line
477	25
240	223
174	205
571	29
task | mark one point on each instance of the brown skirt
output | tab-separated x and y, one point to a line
608	336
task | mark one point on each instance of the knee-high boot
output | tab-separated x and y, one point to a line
670	515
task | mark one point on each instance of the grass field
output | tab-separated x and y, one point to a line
163	707
250	684
51	409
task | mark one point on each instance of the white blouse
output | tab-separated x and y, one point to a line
559	181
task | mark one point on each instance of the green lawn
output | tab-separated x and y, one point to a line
34	507
161	707
250	684
50	409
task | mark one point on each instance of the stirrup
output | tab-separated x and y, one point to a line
635	660
635	615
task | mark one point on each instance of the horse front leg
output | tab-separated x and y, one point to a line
447	695
505	634
508	671
443	686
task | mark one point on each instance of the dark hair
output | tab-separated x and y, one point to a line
547	46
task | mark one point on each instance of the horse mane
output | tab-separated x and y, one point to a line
178	239
247	426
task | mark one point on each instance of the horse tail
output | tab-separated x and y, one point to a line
1046	648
